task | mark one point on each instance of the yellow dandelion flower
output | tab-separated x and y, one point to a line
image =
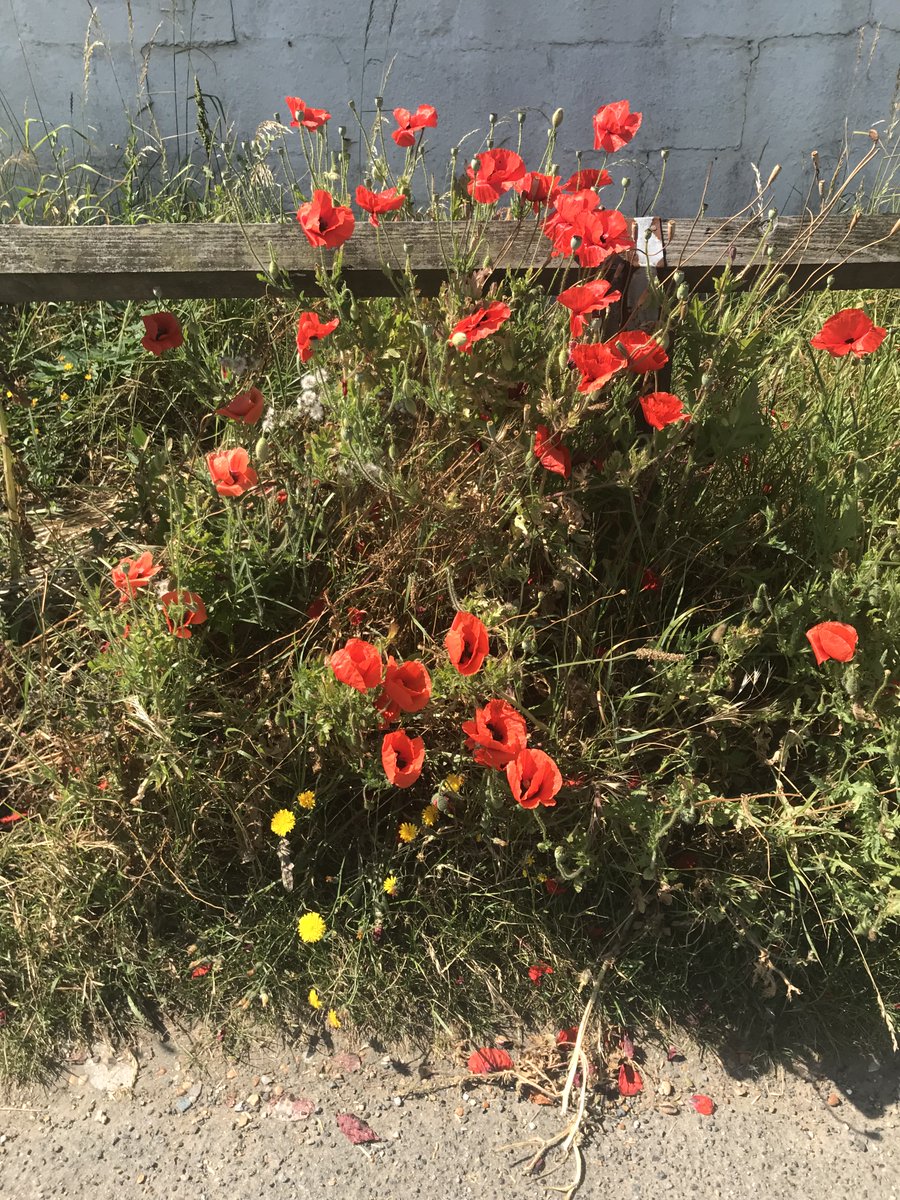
307	799
64	396
390	885
407	831
89	375
311	927
313	998
333	1019
283	822
429	816
68	366
453	783
34	401
9	394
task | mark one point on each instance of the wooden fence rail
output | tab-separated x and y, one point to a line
143	262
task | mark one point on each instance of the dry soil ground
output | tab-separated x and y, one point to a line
181	1119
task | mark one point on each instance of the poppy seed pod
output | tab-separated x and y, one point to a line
683	291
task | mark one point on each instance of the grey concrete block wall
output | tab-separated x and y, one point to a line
722	83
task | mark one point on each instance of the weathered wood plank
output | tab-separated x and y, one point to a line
143	262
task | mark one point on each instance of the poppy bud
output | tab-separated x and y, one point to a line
379	103
351	104
557	119
507	359
261	450
342	131
492	118
575	243
761	599
772	214
520	116
626	181
474	165
664	154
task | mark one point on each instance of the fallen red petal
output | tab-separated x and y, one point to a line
704	1105
630	1082
487	1059
357	1131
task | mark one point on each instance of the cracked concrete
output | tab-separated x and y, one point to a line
719	81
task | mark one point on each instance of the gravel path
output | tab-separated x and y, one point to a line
187	1121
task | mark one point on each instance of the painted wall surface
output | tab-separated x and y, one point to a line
721	83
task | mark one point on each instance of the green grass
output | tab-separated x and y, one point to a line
731	830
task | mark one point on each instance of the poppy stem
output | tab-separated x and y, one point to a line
11	493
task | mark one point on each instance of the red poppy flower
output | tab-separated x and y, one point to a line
246	407
554	888
497	734
579	226
231	472
199	972
537	973
162	332
662	409
133	573
316	608
849	331
650	581
551	453
567	1037
479	324
402	758
467	643
379	202
615	125
642	352
533	778
310	330
704	1105
537	188
408	124
390	712
488	1059
7	822
497	172
324	222
187	609
630	1082
832	639
302	114
590	177
358	665
586	298
597	362
407	685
